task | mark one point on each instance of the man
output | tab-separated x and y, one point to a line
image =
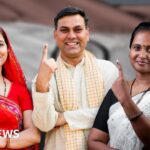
68	92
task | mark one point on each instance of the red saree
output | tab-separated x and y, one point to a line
11	110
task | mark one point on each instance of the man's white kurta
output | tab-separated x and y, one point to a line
46	105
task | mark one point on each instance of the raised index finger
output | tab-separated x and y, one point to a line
45	51
121	76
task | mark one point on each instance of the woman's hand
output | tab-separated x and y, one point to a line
3	142
27	137
121	87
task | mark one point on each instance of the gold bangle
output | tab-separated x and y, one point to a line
136	116
8	142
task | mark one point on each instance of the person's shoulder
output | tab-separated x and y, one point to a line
105	63
107	67
18	87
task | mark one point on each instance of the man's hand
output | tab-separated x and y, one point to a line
46	69
61	120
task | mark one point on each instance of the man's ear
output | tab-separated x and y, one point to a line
55	34
88	33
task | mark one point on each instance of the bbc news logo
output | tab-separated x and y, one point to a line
9	133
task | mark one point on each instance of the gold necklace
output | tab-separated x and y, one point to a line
4	86
144	92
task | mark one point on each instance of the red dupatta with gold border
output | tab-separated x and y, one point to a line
9	109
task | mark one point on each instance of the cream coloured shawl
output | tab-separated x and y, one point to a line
66	90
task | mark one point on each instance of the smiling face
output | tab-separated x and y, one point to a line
3	50
71	36
140	52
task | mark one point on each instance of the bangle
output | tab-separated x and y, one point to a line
136	116
7	143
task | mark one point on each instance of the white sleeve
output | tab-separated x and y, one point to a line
109	73
81	118
44	115
84	118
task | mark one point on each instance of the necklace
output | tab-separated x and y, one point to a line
141	95
4	86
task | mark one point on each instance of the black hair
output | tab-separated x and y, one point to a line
4	36
143	26
68	11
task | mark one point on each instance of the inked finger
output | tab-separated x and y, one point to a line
119	66
45	51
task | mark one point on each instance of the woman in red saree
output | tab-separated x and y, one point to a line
16	128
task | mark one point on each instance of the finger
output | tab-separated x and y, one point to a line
54	69
53	64
120	69
45	51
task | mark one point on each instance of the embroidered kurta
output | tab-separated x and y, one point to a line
46	105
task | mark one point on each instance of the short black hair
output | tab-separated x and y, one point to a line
143	26
68	11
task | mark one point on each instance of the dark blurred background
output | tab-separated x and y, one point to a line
106	15
29	24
